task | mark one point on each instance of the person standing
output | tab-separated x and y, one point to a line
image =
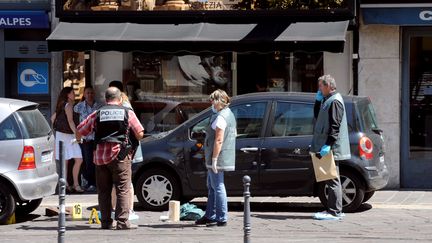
84	108
111	124
331	134
219	147
66	132
137	151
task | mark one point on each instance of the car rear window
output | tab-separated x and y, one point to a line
366	115
9	129
33	124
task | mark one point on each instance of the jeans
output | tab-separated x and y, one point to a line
217	202
87	153
334	201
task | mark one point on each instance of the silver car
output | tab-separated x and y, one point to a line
27	164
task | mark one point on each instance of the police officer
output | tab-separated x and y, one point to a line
112	124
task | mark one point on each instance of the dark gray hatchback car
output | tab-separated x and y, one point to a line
274	132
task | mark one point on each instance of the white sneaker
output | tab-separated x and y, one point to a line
133	215
326	216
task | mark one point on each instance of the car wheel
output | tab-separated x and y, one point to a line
155	188
26	207
7	203
353	191
368	196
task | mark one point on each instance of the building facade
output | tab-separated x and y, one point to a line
395	71
24	57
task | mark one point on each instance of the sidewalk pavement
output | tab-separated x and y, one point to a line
389	216
393	199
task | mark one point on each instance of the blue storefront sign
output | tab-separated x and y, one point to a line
398	16
24	20
33	78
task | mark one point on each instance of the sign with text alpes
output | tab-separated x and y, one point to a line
24	20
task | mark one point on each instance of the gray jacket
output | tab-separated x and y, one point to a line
341	147
226	158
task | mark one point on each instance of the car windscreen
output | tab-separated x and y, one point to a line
366	115
33	124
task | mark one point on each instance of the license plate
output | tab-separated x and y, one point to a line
46	157
382	159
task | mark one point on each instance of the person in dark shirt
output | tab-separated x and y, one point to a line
331	135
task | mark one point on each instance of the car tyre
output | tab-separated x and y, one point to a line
7	203
368	196
26	207
155	188
353	191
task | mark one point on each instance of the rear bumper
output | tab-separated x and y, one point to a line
29	186
377	178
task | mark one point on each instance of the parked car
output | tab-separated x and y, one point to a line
27	165
273	143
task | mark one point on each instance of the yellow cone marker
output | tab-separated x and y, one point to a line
11	219
94	217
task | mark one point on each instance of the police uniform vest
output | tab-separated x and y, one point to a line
341	148
112	124
226	158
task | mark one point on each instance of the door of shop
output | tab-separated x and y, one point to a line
416	144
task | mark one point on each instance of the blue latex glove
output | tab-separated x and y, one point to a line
319	96
325	150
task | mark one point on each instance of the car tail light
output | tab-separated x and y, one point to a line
365	148
27	159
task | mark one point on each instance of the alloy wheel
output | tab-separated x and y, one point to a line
157	190
349	190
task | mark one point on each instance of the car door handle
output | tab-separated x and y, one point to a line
249	149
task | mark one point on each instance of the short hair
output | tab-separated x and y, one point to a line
220	97
112	93
116	83
328	80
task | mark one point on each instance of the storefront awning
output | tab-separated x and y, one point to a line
199	37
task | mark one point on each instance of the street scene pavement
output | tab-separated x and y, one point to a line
389	216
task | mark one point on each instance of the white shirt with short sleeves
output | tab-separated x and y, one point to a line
219	122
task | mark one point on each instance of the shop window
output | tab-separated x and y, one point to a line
295	72
166	90
74	72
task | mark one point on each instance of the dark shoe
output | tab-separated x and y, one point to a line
204	220
222	224
131	226
111	226
91	189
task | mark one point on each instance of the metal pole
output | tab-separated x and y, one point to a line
246	214
62	196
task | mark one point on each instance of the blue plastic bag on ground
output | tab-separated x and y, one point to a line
190	211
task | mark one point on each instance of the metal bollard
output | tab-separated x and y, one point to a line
62	196
246	214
